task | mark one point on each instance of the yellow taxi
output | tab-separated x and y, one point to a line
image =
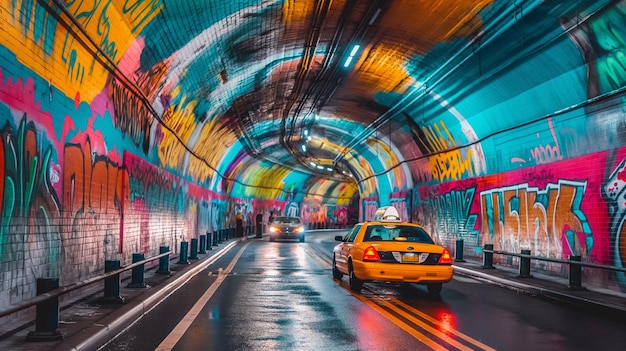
388	249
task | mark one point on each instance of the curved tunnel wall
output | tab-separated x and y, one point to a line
88	173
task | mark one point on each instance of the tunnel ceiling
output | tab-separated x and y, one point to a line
314	96
297	80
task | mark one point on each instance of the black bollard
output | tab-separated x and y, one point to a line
575	274
183	258
137	281
202	244
488	256
112	283
459	251
47	313
209	241
193	255
259	230
524	265
164	262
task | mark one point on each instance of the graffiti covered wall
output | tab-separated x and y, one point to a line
555	210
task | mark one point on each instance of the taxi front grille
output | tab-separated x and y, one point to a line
388	257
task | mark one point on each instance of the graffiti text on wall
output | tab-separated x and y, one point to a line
447	165
454	216
520	217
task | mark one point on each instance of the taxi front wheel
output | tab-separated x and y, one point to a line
355	283
336	273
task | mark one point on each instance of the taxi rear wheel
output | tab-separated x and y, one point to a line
434	289
355	283
336	273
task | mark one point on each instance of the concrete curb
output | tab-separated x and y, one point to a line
109	329
536	290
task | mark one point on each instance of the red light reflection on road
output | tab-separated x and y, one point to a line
447	320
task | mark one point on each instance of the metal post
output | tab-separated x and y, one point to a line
194	249
137	273
112	283
488	256
259	229
184	247
459	251
575	273
202	245
47	313
164	262
209	241
524	265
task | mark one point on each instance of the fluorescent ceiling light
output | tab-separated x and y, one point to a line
348	62
303	147
354	50
374	17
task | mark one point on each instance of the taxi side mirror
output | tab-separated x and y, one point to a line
338	238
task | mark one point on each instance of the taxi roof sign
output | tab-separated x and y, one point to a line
387	214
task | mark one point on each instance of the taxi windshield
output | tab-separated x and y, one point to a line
397	233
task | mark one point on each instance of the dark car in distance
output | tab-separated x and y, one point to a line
286	227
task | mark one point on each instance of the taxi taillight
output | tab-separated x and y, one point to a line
370	254
445	257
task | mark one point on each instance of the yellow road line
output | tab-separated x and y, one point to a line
407	328
432	320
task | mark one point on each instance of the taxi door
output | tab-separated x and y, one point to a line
342	251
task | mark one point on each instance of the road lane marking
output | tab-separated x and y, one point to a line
176	334
415	312
404	326
385	312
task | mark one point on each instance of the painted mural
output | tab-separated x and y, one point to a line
93	162
556	211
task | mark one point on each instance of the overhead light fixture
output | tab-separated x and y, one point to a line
374	17
355	49
303	148
329	169
313	164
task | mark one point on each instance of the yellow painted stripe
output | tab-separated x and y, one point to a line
176	334
438	333
434	321
407	328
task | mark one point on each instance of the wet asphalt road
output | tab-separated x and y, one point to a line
263	295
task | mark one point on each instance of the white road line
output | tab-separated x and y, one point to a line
177	333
